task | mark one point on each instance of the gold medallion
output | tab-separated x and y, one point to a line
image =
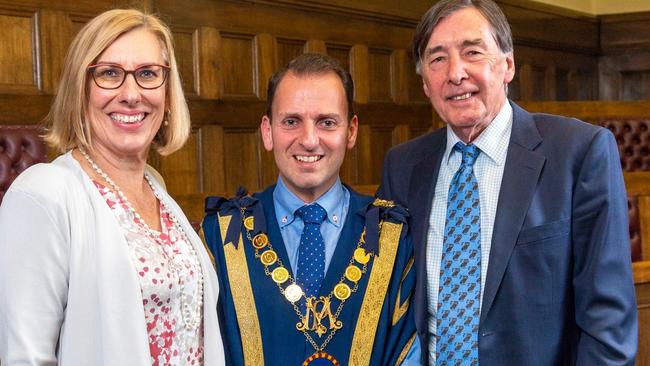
260	241
361	256
353	273
280	275
342	291
268	257
293	293
249	223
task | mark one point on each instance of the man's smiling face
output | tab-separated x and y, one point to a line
465	73
309	132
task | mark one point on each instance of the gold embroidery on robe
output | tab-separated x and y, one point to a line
373	300
242	294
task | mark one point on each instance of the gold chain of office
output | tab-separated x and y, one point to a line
318	311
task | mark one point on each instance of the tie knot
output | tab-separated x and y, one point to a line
311	214
470	152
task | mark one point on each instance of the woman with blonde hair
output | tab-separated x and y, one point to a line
98	264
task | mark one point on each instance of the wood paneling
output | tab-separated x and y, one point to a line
288	49
53	49
207	62
266	62
399	74
237	65
185	55
18	64
181	170
379	75
622	33
241	168
341	53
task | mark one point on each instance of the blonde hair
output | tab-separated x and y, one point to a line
66	122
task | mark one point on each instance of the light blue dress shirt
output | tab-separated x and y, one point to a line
488	169
335	201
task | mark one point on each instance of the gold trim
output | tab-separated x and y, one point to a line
401	309
242	295
382	268
405	350
383	203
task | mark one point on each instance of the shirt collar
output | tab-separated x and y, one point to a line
287	203
493	141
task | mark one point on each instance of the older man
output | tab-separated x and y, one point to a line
519	220
311	272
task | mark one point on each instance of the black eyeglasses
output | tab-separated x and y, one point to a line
110	76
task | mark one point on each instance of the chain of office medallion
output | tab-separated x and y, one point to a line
292	281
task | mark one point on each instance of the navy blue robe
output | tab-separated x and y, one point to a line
269	320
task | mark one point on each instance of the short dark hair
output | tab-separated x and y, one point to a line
309	64
444	8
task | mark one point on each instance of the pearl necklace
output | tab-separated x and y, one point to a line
191	322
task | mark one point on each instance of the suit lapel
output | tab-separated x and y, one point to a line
521	173
420	197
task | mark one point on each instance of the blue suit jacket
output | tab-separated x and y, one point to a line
559	287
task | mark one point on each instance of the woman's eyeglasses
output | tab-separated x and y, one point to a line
109	76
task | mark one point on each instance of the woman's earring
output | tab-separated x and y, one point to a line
166	118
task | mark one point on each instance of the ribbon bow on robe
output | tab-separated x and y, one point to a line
241	203
382	210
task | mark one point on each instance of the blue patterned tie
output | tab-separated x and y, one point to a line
311	252
460	268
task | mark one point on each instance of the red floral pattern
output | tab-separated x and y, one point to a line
166	266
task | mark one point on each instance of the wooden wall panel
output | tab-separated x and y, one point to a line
18	63
363	155
288	49
381	139
635	85
379	75
269	170
399	76
212	158
359	70
625	61
53	49
207	62
237	65
349	171
241	166
185	56
181	170
266	62
341	53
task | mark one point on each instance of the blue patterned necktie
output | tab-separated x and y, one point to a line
460	268
311	252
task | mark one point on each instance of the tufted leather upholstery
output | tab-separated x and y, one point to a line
20	147
633	139
635	227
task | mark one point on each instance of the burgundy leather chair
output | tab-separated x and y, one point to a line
633	139
20	147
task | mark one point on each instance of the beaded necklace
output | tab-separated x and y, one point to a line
190	321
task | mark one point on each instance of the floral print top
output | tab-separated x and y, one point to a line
169	275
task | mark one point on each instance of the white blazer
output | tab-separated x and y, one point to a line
69	293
